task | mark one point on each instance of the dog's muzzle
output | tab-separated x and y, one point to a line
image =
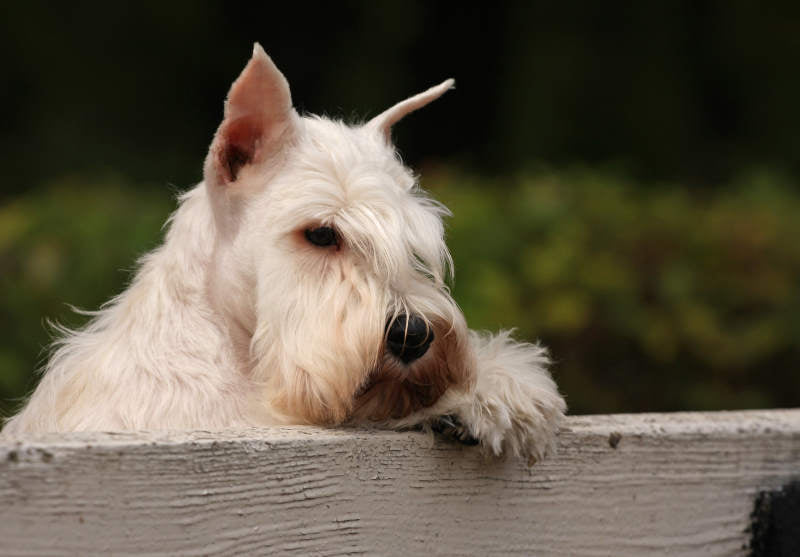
408	338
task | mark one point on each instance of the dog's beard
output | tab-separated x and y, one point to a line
327	342
327	363
362	385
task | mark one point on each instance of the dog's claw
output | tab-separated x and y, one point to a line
450	427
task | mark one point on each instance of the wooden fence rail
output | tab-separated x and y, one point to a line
646	484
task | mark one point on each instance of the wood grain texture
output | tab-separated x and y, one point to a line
674	484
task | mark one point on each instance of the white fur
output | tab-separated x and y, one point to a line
236	321
514	405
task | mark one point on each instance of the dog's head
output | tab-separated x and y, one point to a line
330	262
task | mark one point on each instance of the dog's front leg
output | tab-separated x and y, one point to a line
512	406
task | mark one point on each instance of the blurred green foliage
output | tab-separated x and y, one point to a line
661	272
73	242
652	298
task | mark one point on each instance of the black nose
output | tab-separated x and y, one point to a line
408	338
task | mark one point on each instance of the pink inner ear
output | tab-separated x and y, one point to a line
241	138
258	121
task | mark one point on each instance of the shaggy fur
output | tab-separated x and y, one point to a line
239	320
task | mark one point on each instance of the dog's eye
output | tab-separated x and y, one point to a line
323	236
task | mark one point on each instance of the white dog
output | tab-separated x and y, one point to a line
302	282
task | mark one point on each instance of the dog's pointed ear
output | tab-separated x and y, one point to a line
384	121
258	120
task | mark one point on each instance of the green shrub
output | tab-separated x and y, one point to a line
651	298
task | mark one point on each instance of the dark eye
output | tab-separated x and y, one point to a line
323	236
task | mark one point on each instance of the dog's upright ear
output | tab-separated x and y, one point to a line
384	121
259	120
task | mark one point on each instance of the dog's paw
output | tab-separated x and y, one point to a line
514	407
522	421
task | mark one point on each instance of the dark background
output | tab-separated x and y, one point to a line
623	175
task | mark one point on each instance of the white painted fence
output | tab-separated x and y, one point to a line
677	484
